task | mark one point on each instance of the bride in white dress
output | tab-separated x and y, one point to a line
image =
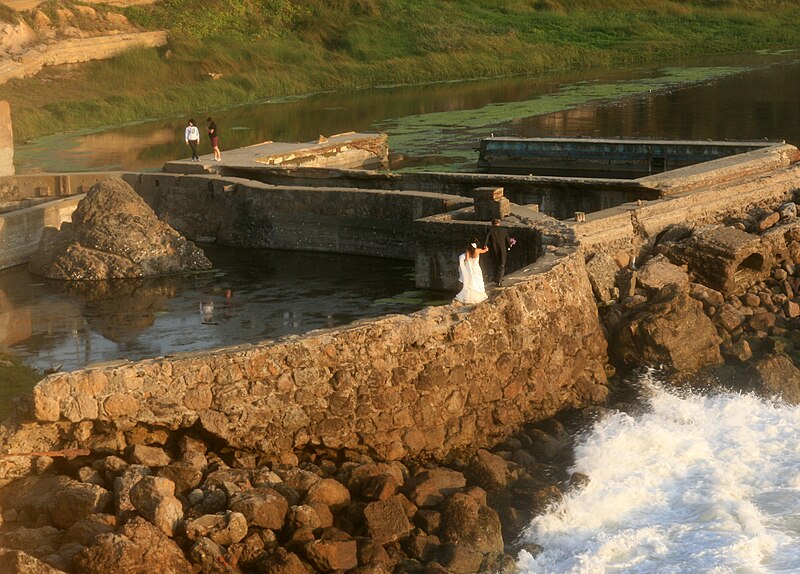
470	274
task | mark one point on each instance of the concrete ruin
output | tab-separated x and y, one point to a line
6	140
429	384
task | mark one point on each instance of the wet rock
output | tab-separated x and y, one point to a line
671	329
114	234
469	523
457	559
139	548
487	470
776	376
153	497
387	520
261	507
223	529
430	487
738	351
19	562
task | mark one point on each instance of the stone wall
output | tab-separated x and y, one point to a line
245	213
16	190
431	384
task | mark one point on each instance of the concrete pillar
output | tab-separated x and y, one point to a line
490	203
6	140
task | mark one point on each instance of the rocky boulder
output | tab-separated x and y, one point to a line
18	562
139	548
670	329
114	234
468	522
776	376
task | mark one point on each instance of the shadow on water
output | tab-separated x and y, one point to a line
250	295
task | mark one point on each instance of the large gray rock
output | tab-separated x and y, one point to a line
669	330
114	234
658	272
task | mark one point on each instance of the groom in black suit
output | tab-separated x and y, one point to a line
498	243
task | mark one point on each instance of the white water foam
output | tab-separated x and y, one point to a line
696	484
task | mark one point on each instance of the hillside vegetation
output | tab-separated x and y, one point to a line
225	52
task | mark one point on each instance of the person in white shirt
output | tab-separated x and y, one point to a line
192	137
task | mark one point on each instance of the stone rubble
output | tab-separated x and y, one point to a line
330	512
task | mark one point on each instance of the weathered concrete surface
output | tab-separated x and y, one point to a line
430	384
75	51
16	191
630	227
6	140
246	213
348	150
440	239
558	197
114	234
21	230
626	157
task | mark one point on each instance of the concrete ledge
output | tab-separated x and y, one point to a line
21	230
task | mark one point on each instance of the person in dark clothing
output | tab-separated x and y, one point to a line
213	135
498	243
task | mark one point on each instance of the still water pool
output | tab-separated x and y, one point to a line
250	295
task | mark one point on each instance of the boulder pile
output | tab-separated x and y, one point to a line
707	294
182	507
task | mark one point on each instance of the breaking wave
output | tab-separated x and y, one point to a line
694	483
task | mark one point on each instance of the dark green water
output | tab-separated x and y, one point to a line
435	127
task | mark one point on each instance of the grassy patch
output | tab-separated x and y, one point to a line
15	379
227	52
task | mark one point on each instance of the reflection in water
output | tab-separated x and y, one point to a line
250	296
437	126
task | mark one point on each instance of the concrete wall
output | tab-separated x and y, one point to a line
19	188
632	227
251	214
604	157
559	197
6	140
431	384
21	230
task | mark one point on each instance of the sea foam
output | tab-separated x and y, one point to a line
695	483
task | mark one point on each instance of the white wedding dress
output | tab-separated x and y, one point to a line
471	276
